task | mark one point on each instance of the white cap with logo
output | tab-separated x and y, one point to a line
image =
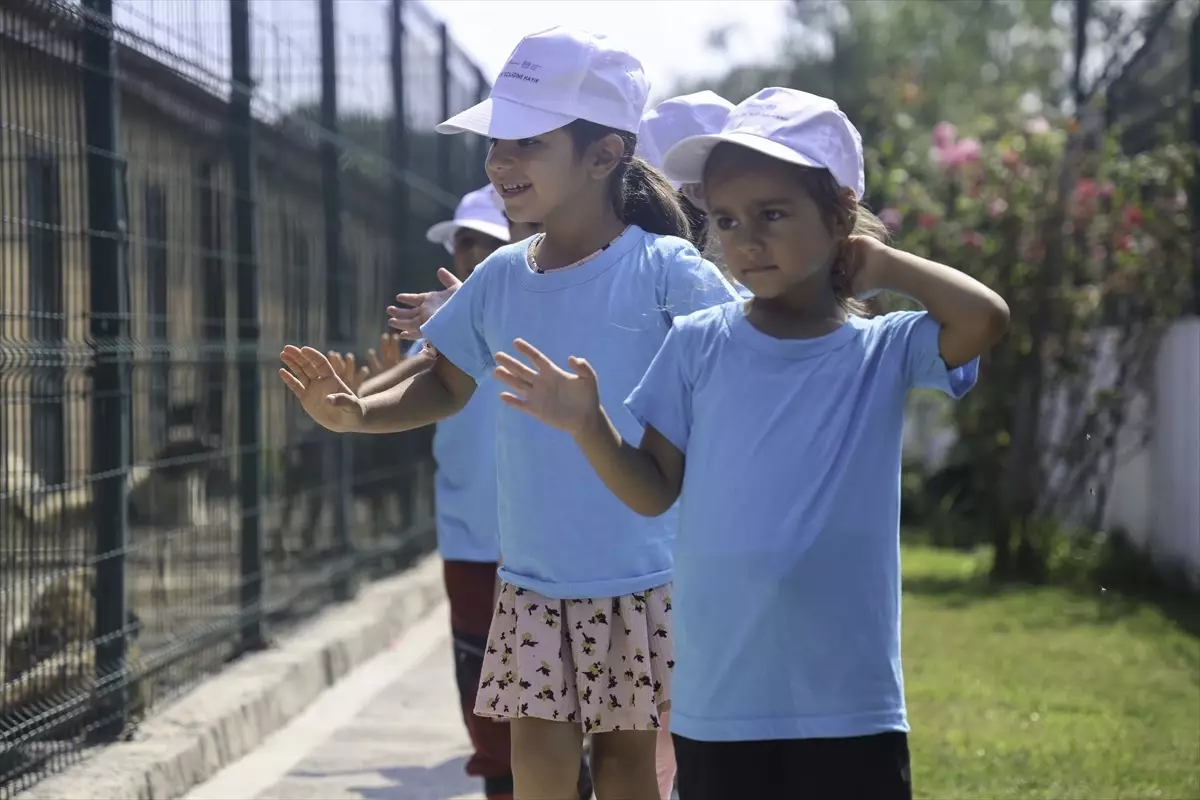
675	119
478	211
553	78
787	124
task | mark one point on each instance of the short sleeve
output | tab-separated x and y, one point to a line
664	396
456	329
913	336
692	283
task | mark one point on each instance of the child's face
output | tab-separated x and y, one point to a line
773	236
535	175
470	249
538	175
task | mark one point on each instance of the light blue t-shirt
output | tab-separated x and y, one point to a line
464	486
787	564
562	533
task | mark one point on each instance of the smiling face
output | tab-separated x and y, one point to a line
774	235
538	175
534	176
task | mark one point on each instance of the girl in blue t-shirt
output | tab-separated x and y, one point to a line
776	422
581	638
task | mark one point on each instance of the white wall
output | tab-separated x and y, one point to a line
1154	494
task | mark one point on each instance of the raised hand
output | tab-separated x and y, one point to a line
569	401
325	396
421	306
347	369
388	354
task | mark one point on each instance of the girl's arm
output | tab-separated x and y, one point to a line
972	316
648	479
397	374
434	394
437	390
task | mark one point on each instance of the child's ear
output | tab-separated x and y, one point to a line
607	153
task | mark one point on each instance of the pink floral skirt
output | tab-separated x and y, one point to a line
602	662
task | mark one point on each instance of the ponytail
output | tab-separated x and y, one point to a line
640	194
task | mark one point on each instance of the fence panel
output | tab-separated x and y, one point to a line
138	346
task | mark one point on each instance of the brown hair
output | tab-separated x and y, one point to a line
640	194
839	207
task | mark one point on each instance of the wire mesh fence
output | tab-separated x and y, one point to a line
186	185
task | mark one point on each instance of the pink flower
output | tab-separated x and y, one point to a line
1125	244
972	239
1133	216
958	154
997	207
944	135
926	221
891	218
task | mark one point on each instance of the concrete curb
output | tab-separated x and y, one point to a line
230	714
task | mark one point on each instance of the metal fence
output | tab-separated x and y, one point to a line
186	185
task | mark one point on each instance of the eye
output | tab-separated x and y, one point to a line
530	142
772	214
724	223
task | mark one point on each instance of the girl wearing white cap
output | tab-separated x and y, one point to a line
465	496
581	641
777	424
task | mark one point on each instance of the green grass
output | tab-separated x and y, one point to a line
1044	692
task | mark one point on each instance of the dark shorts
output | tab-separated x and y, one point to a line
856	768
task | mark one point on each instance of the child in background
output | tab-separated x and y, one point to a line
777	424
675	119
581	638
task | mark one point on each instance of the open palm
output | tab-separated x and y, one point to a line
567	401
421	306
325	396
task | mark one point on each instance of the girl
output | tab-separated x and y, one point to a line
777	422
581	639
465	499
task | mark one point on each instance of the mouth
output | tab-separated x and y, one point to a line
759	270
508	190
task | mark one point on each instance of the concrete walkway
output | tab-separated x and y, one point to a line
390	731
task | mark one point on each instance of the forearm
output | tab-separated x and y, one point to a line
629	472
972	316
413	403
395	375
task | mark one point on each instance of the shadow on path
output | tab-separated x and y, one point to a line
440	782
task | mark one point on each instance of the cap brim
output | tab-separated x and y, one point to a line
443	232
498	118
685	161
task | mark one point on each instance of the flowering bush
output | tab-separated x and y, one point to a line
1092	249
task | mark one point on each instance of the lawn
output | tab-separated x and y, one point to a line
1044	692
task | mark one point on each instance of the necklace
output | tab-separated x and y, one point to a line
537	240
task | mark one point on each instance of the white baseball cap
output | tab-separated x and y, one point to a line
787	124
477	211
553	78
675	119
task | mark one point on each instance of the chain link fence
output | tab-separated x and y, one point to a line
185	186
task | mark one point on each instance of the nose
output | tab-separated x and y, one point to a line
498	160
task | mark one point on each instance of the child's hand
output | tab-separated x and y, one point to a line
348	370
388	354
408	321
569	402
325	396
